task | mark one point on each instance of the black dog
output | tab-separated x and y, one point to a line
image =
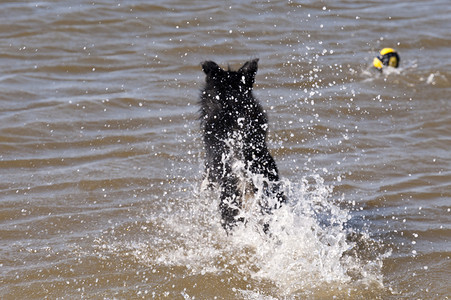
234	129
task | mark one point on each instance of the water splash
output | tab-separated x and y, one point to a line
308	247
407	68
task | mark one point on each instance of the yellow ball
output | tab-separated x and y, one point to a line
388	57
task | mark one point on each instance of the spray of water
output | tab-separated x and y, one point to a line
307	246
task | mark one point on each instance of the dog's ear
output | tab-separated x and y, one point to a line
210	68
249	70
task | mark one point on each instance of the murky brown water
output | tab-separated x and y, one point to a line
101	155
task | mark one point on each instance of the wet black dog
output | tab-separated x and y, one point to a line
234	129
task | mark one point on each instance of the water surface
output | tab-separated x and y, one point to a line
101	154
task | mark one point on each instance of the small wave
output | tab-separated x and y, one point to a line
437	79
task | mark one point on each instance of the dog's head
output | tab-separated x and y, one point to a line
239	81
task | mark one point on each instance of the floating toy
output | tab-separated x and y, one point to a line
388	58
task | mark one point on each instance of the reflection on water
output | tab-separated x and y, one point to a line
101	156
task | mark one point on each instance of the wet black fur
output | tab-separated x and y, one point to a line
234	127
